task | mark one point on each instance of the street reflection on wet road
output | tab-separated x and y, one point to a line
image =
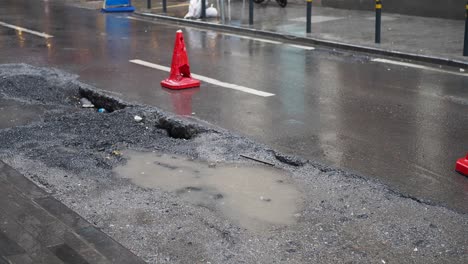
405	127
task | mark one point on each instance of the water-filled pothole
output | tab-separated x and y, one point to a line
255	197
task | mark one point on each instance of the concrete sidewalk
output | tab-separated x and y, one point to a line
423	36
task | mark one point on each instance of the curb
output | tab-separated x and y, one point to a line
310	41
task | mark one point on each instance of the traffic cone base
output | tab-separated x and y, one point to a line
113	6
180	77
183	83
462	166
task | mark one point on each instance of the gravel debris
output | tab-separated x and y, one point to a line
70	152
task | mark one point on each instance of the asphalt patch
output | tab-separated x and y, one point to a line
71	153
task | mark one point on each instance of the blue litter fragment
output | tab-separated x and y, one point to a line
118	6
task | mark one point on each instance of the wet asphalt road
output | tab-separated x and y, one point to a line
405	127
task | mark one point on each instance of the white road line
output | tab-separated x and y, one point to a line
245	37
21	29
301	47
251	38
417	66
207	79
133	18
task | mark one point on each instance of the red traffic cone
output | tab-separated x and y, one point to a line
180	77
462	166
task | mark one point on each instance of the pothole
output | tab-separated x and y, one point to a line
100	100
255	197
177	129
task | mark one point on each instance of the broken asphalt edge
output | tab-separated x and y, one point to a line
175	127
309	40
189	127
328	206
185	127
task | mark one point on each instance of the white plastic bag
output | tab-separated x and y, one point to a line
211	11
194	10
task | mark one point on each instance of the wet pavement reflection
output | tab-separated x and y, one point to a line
405	127
405	33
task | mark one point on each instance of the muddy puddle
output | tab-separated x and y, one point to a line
14	113
255	197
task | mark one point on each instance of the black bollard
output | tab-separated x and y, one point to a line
465	48
148	4
378	19
164	6
309	16
251	4
203	9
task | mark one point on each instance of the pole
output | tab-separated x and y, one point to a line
465	48
148	4
251	3
309	16
221	10
203	8
164	2
378	19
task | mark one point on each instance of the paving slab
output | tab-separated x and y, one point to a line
32	233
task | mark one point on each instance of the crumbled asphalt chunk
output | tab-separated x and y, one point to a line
191	188
100	99
178	129
218	196
165	165
290	160
344	218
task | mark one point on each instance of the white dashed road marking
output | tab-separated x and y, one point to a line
21	29
417	66
206	79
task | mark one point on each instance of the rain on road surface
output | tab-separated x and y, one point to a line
403	126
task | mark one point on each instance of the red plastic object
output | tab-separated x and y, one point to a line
180	77
462	166
182	100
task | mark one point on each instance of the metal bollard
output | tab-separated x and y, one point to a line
378	19
221	10
203	8
148	4
164	2
465	48
309	16
251	4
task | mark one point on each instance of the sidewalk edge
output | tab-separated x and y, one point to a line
309	40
